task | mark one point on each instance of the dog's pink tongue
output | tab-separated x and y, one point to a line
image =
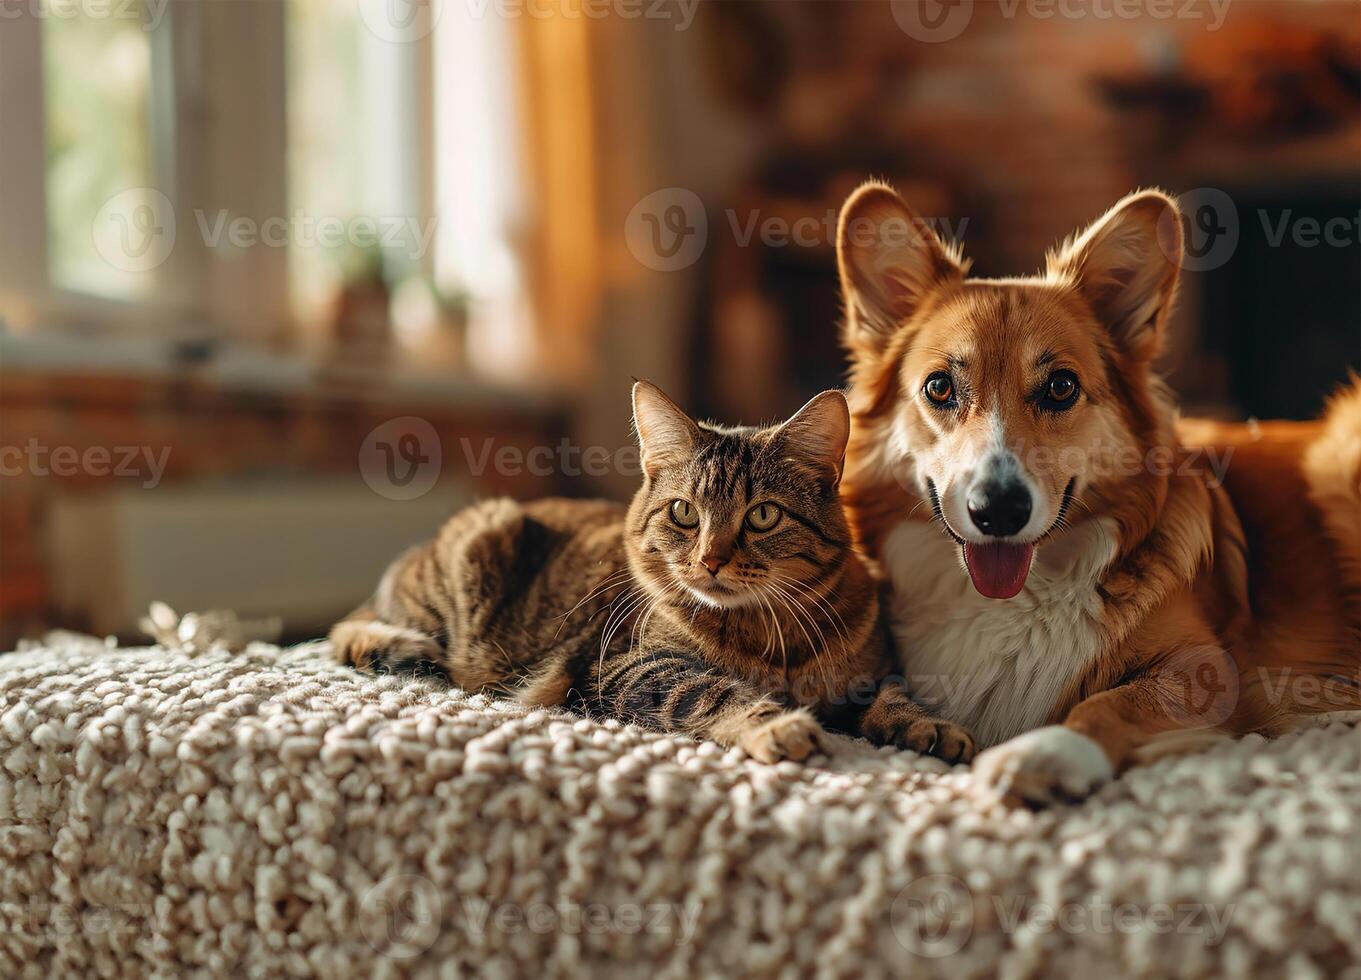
998	570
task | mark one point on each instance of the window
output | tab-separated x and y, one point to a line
102	220
481	194
182	168
325	177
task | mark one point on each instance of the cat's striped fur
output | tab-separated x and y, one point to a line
750	636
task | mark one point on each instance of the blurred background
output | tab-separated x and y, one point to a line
284	282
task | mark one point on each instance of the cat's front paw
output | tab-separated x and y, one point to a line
1041	768
932	736
381	648
792	735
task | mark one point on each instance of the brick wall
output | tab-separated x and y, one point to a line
211	433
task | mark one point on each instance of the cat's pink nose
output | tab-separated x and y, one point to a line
713	563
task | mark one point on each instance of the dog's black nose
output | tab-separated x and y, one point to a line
999	509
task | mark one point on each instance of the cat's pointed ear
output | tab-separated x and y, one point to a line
816	435
1126	266
666	435
890	262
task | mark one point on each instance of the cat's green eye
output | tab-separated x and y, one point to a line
684	514
763	517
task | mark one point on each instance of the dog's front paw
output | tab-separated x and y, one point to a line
931	736
1041	768
793	735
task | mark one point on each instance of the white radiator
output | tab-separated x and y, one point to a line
304	552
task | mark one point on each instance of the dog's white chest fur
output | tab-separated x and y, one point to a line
996	666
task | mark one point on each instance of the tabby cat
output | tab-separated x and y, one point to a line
725	602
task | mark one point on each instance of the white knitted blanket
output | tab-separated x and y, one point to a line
270	814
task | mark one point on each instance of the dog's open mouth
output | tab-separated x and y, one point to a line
999	569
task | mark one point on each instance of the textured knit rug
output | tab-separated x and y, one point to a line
270	814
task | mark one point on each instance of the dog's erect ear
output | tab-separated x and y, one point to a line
666	435
1126	266
890	262
817	434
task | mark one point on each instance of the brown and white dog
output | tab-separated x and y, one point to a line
1075	578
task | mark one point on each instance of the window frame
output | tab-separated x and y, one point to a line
217	128
23	170
216	132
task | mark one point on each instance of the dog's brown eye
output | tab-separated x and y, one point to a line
684	514
940	388
1060	391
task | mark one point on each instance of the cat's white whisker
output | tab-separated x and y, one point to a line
822	603
613	580
641	626
636	597
775	621
797	614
